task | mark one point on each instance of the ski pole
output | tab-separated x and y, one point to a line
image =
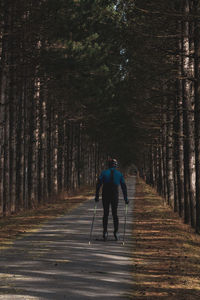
95	209
126	211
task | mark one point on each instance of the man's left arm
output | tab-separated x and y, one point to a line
98	186
124	189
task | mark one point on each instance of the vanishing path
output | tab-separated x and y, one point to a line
57	262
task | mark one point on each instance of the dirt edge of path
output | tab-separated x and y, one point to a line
166	252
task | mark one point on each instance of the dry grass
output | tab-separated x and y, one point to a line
15	226
166	252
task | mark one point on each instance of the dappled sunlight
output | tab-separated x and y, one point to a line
29	221
117	257
57	262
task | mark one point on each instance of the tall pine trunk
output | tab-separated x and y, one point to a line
188	120
197	110
169	155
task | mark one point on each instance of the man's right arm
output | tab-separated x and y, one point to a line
124	189
98	186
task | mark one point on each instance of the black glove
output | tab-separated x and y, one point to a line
96	199
126	201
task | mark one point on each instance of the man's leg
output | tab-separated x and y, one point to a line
106	204
114	204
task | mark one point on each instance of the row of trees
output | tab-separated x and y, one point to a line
54	65
171	72
80	80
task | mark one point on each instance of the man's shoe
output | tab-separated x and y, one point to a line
105	236
117	236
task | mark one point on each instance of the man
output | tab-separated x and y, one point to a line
111	179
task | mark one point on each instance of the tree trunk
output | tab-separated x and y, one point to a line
169	156
197	111
180	153
188	120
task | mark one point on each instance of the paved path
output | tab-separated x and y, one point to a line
57	262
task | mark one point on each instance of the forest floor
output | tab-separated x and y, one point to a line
16	225
166	252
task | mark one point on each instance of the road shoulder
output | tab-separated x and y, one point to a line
166	252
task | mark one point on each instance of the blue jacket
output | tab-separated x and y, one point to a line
118	179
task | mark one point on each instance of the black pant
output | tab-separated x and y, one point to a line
107	201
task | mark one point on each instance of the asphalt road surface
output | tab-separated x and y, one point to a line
57	262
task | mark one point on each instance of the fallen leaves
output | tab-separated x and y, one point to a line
166	253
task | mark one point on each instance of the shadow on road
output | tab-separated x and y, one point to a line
58	263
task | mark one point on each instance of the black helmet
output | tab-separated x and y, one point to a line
112	163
